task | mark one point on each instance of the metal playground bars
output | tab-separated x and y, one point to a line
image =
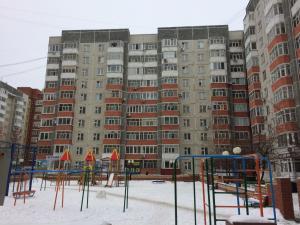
241	167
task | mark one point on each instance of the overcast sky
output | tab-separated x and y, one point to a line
27	24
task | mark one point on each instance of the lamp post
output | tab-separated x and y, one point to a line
225	153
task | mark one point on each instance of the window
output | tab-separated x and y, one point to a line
48	109
217	40
217	53
97	123
188	165
200	44
185	83
200	57
96	136
201	69
278	50
97	110
98	97
96	150
169	42
101	59
114	68
170	120
51	84
203	136
280	71
187	150
169	67
82	110
186	109
83	96
240	121
98	84
83	84
185	95
218	66
79	151
80	137
81	123
187	136
84	72
85	60
112	120
286	115
203	123
186	122
202	109
65	107
185	57
283	93
240	107
100	71
170	149
65	121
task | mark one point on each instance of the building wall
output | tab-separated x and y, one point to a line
32	118
271	53
13	114
158	95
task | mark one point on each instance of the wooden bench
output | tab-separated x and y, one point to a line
21	194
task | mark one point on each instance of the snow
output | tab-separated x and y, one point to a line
296	205
249	219
149	204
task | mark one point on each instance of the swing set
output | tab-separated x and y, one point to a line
238	176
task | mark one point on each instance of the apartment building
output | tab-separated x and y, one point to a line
32	118
152	97
13	114
272	32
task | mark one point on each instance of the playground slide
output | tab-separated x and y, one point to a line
110	180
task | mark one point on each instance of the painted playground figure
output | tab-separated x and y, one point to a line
114	169
90	161
62	178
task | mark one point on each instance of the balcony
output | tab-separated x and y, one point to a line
52	66
295	8
217	46
52	78
170	73
69	62
70	51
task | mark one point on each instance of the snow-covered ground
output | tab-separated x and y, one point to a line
149	204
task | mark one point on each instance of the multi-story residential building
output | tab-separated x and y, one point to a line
272	57
152	97
32	119
13	114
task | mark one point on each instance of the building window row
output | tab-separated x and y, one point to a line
141	108
283	93
286	115
278	50
141	135
146	149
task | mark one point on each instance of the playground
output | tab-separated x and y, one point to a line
107	195
149	203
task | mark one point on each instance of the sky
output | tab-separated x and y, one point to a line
27	24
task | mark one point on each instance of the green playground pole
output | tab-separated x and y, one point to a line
245	186
175	191
208	192
84	180
125	190
194	190
88	188
213	190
